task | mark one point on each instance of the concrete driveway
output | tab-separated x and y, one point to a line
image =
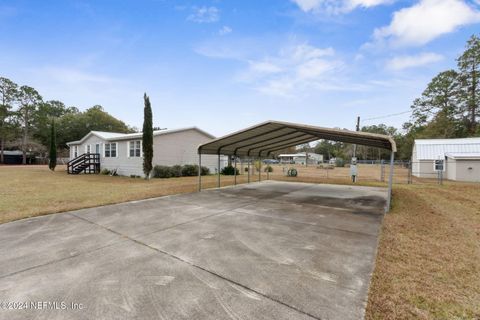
269	250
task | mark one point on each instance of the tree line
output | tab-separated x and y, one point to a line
26	118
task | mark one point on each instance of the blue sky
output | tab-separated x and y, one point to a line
224	65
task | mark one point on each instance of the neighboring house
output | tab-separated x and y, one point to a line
124	152
16	157
458	159
299	158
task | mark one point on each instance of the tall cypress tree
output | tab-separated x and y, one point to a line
147	137
53	147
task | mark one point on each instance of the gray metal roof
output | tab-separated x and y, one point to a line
432	149
115	136
463	155
265	138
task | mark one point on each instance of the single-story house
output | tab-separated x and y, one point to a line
458	159
299	158
123	152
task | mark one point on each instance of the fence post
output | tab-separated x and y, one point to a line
440	177
409	178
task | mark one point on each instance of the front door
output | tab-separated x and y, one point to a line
97	148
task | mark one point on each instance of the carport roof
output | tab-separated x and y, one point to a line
270	136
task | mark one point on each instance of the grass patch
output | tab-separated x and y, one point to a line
428	258
28	191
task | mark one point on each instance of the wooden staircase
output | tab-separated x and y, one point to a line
86	163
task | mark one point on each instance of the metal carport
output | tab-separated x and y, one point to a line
265	138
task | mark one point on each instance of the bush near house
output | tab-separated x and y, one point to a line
187	170
268	169
177	171
162	172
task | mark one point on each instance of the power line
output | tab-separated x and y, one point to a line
387	116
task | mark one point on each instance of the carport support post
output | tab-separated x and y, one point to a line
390	182
218	171
248	170
259	169
199	172
235	171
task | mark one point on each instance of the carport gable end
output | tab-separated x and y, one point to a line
267	137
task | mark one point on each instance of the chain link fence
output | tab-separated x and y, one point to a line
371	171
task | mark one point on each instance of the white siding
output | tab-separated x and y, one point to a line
181	148
451	169
169	149
467	170
424	169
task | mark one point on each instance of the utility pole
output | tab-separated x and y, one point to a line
357	129
353	162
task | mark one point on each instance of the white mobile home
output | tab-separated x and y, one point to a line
124	153
299	158
457	158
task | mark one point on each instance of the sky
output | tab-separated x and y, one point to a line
223	65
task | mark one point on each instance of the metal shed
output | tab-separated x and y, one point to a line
263	139
426	151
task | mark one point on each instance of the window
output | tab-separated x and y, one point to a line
88	148
97	148
438	165
75	151
135	149
110	150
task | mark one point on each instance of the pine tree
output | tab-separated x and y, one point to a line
469	67
53	147
147	137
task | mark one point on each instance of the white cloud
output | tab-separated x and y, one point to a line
74	76
225	30
427	20
404	62
337	6
293	69
204	15
264	67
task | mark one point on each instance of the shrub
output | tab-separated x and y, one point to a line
205	171
268	169
257	164
176	171
229	171
339	162
162	172
105	172
189	170
246	169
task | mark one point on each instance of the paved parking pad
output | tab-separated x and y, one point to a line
269	250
